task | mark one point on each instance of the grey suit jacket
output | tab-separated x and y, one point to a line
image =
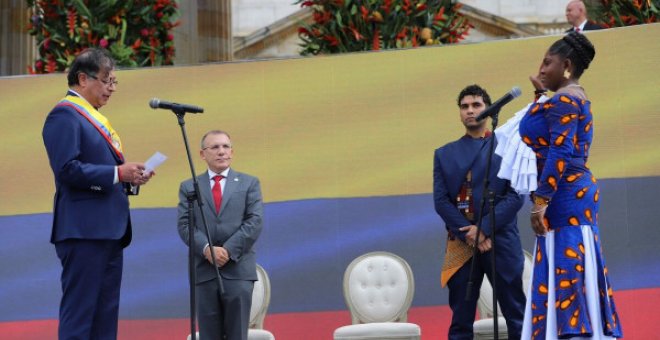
236	228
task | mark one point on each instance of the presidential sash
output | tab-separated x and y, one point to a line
99	121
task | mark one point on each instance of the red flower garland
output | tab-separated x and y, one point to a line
356	25
64	28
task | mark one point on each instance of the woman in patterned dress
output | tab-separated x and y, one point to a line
570	296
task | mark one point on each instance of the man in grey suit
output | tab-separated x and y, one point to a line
233	208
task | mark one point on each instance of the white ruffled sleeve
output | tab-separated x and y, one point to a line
518	160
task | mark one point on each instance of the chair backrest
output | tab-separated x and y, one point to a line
260	299
378	287
485	302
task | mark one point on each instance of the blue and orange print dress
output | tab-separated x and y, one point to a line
570	290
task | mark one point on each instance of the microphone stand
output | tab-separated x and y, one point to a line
192	198
490	194
192	274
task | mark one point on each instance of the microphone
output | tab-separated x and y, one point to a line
156	103
497	106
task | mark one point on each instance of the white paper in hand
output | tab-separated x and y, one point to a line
154	161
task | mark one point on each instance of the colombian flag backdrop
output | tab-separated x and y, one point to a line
343	146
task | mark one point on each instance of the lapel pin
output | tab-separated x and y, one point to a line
235	179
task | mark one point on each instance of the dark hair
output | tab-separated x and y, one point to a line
90	61
474	90
577	48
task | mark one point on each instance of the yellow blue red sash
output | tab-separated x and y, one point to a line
99	121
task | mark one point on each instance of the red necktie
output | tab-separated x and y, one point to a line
577	29
217	192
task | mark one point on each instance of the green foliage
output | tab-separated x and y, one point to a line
136	32
618	13
360	25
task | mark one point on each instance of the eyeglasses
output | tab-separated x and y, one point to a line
105	82
217	147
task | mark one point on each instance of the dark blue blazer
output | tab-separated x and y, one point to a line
589	26
87	205
450	166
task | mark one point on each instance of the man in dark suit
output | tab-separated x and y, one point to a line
233	208
458	173
91	221
576	15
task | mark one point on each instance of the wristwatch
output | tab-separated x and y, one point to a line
539	200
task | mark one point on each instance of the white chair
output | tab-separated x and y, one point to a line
378	290
483	328
259	307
